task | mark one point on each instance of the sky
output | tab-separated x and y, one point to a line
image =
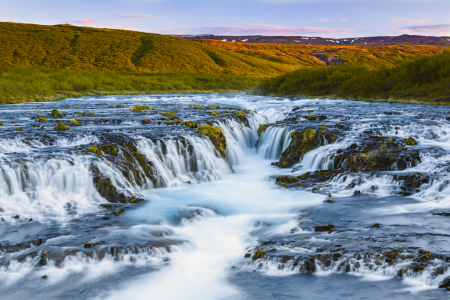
325	18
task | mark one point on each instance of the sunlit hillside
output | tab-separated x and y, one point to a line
307	56
84	48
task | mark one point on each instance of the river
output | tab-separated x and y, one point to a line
215	228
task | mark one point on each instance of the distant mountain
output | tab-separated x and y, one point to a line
304	40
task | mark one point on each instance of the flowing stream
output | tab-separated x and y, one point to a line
204	219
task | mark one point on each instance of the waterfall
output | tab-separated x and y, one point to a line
57	188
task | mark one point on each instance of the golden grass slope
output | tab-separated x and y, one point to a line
84	48
303	56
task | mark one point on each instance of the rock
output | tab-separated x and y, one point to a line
356	193
376	225
262	128
329	201
216	136
286	179
44	277
301	143
410	141
324	228
445	283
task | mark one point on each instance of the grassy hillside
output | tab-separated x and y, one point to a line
24	84
84	48
425	79
305	56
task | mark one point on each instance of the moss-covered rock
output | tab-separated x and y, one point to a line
410	141
262	128
190	124
169	114
61	126
214	112
56	114
1	123
41	119
286	179
90	114
74	122
216	136
93	149
301	143
140	108
312	117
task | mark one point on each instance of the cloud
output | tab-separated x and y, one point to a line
264	29
83	22
332	20
425	29
408	21
139	16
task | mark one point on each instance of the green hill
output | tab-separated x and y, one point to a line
84	48
424	79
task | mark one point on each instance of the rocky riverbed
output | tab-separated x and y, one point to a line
215	196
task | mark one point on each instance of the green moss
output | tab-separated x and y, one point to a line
41	119
56	114
93	149
240	113
120	106
140	108
114	149
169	122
216	136
178	121
90	114
312	117
410	141
1	123
330	201
190	124
61	126
78	119
74	123
214	112
169	114
286	179
262	128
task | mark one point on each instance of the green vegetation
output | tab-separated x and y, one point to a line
425	79
29	84
306	56
216	136
190	124
262	128
41	119
312	117
140	108
61	126
93	149
84	48
169	114
74	122
410	141
56	114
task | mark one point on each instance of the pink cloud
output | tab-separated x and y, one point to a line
332	20
273	30
408	21
425	29
139	16
84	22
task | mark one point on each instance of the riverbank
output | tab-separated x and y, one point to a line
422	80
